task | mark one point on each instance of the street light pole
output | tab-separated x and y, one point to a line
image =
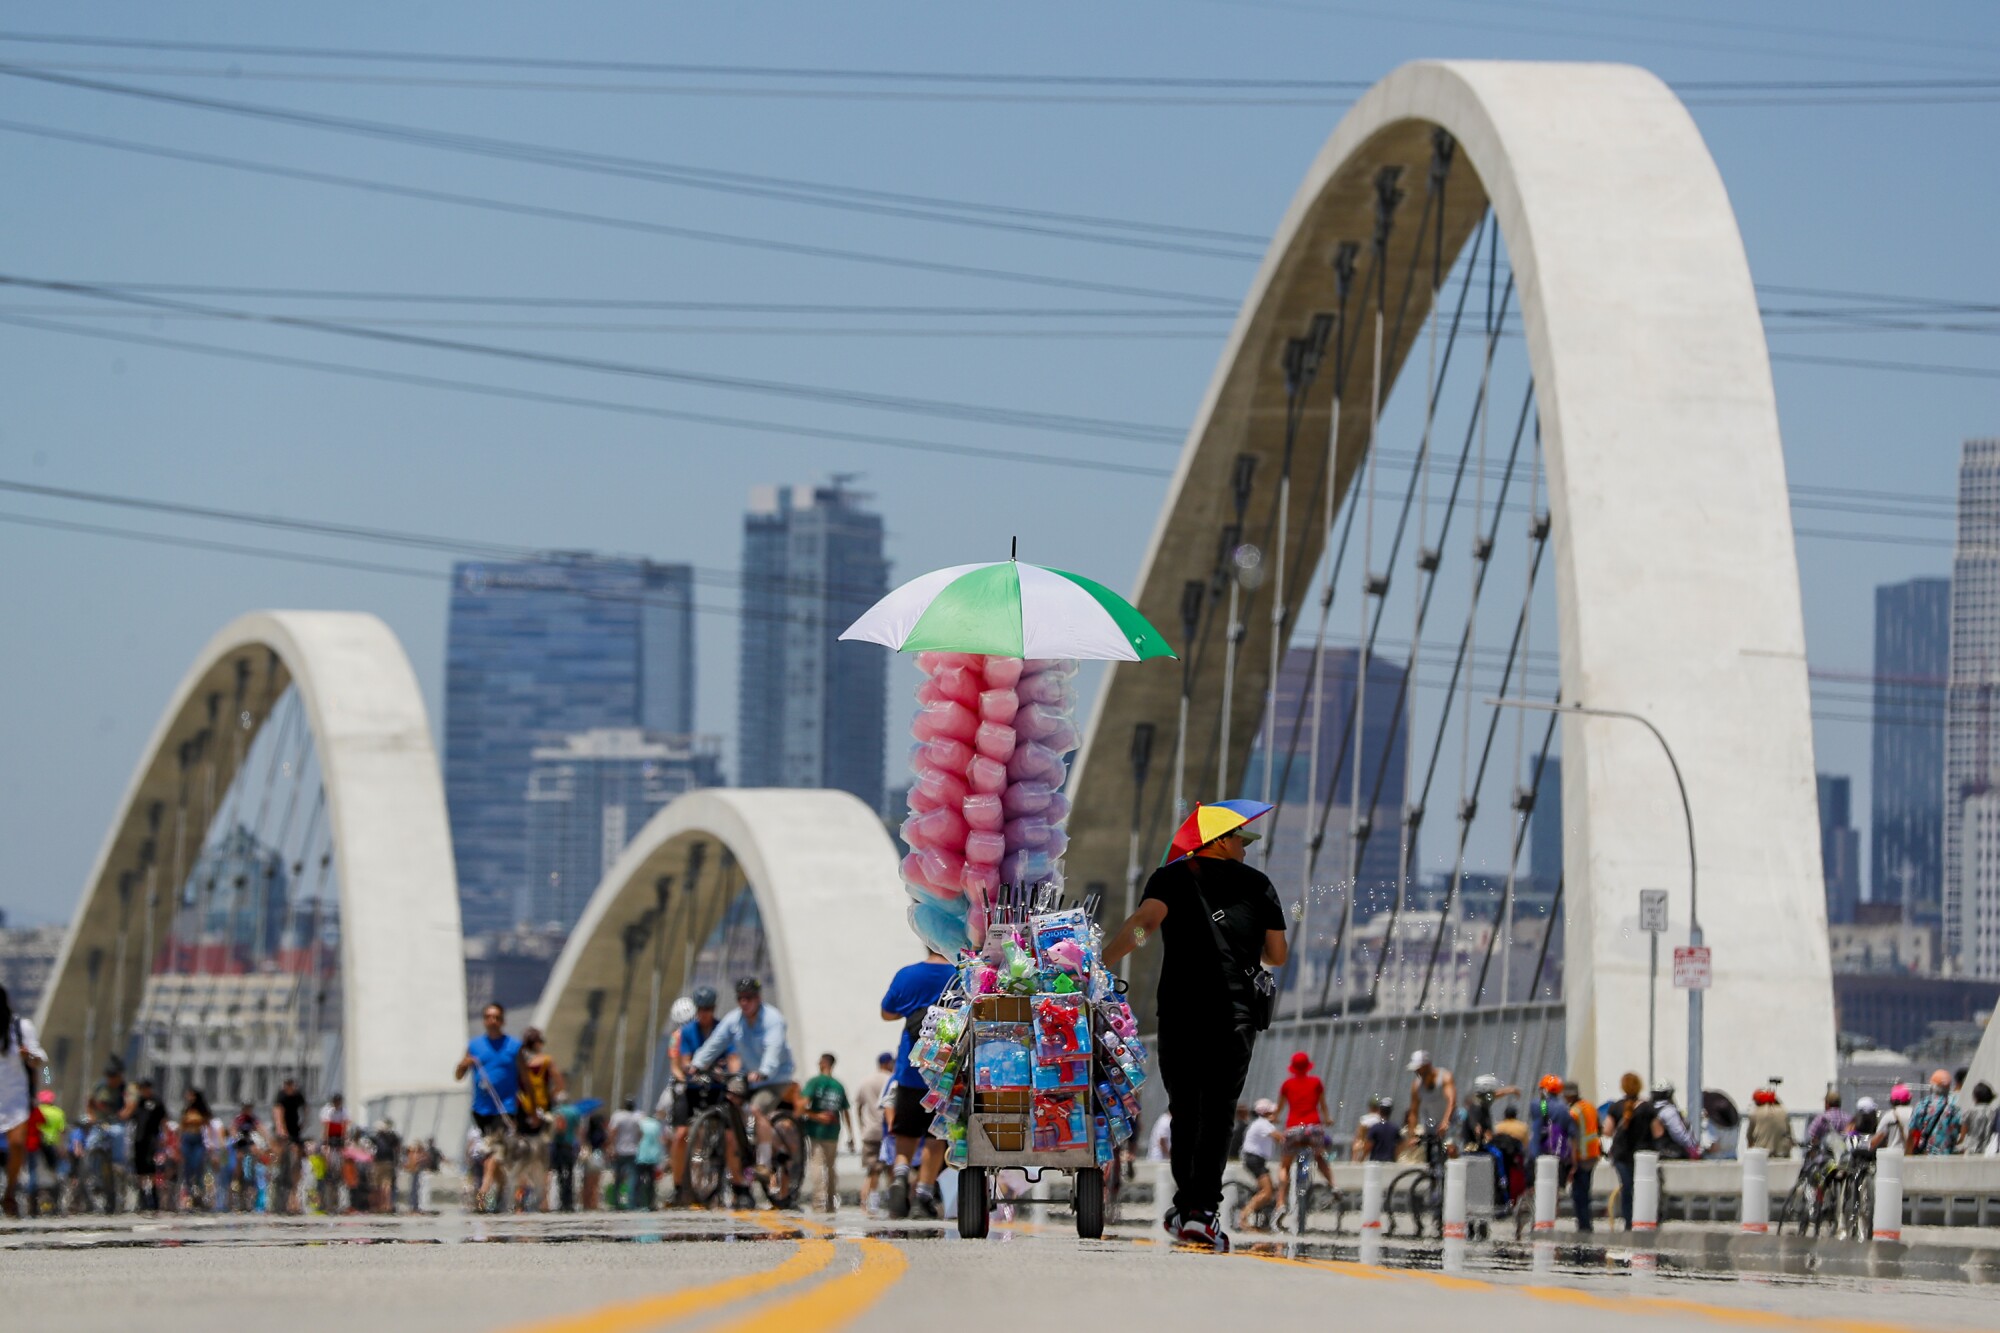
1695	1115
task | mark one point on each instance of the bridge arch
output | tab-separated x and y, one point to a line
401	953
821	870
1676	579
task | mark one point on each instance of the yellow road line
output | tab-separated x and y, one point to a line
1617	1304
812	1256
835	1302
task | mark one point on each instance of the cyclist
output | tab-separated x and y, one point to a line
1433	1101
1830	1126
1380	1136
1893	1129
1552	1129
755	1035
288	1127
1670	1131
1303	1098
1260	1144
694	1021
243	1160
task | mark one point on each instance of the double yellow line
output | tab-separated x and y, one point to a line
823	1306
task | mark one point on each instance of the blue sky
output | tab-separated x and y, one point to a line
1892	194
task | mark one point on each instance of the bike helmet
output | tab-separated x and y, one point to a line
1552	1084
1899	1095
704	997
1663	1088
683	1011
1866	1104
1265	1106
1384	1105
748	986
1486	1085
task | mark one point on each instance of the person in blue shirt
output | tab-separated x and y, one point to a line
912	991
681	1046
496	1088
755	1035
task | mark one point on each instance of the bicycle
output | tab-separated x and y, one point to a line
1305	1191
1422	1187
1815	1199
708	1154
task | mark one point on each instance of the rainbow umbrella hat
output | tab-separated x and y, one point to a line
1209	822
1009	609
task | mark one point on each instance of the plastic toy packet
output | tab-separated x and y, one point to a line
1062	1028
1065	942
1061	1121
1000	1056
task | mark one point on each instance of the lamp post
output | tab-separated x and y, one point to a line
1192	593
1695	1115
1142	759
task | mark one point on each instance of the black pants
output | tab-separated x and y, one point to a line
562	1160
1203	1068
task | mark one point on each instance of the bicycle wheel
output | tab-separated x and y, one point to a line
707	1163
788	1155
1793	1216
1426	1204
1859	1206
1301	1193
1399	1185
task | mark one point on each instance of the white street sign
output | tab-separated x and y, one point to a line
1653	910
1691	968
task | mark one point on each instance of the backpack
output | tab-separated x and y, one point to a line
1554	1137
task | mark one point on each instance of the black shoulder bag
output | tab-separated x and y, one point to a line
1262	1000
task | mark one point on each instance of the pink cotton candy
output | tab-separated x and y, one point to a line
1002	672
948	719
959	685
1043	689
984	848
920	800
999	705
930	662
928	692
1028	831
1027	798
1034	762
984	813
941	787
995	740
914	873
986	775
951	756
944	872
943	828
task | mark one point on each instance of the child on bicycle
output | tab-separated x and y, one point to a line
1303	1098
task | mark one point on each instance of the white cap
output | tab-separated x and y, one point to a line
1419	1060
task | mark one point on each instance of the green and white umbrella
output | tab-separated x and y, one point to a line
1009	609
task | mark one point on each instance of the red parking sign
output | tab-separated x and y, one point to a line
1691	969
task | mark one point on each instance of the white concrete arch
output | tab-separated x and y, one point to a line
1676	579
822	871
401	954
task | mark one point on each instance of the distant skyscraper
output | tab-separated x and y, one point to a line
537	650
1545	828
1906	763
588	796
811	710
1839	849
1383	757
1972	751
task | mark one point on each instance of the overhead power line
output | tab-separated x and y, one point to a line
727	422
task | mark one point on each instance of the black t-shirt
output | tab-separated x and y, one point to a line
291	1114
147	1115
1197	986
1383	1138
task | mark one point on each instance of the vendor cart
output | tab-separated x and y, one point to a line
999	1133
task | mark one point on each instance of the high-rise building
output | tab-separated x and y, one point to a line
1906	760
1839	849
588	795
1383	754
537	650
811	709
1545	829
1972	751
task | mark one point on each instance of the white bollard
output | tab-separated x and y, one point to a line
1756	1190
1544	1256
1371	1198
1548	1172
1454	1254
1646	1191
1454	1200
1889	1194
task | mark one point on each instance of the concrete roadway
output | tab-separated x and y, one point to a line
619	1273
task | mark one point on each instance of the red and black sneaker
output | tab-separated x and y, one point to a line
1203	1229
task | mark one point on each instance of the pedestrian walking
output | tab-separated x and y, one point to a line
1220	921
288	1126
195	1120
912	991
868	1100
496	1090
826	1106
649	1159
21	1061
1770	1126
624	1132
1937	1126
1589	1147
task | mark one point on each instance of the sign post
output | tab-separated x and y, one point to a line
1652	920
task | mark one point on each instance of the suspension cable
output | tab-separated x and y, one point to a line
1526	809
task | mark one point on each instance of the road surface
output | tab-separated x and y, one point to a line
610	1273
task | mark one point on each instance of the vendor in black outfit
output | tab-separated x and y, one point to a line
1203	1006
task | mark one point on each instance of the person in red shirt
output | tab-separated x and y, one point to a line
1302	1098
